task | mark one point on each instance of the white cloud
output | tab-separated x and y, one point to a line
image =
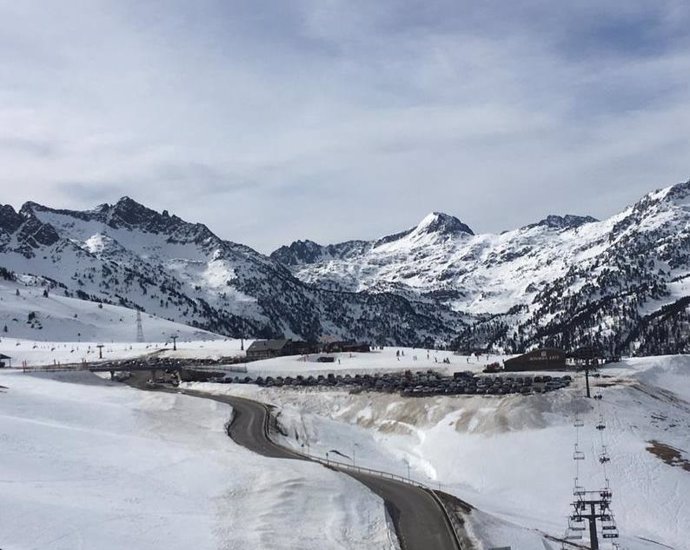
335	120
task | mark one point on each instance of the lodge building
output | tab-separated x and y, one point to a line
538	359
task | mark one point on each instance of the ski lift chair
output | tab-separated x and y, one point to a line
609	531
578	454
576	523
604	457
608	527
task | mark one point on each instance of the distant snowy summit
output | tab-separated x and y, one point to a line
434	226
565	280
130	255
564	222
622	283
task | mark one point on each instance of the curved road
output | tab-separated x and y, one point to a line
419	521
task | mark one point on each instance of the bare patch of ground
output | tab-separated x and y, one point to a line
670	455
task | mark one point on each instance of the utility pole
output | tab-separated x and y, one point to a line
174	339
100	351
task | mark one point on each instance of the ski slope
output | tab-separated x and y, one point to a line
31	316
91	464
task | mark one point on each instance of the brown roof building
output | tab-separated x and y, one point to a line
538	359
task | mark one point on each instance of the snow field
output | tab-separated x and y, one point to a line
375	361
58	318
38	353
91	464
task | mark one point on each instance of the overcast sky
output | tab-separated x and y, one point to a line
271	121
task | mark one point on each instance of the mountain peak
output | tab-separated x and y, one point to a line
445	224
133	213
569	221
10	220
679	191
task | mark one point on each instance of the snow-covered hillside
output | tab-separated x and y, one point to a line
92	464
512	457
27	313
622	284
129	255
564	281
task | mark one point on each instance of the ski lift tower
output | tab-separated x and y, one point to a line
591	507
140	329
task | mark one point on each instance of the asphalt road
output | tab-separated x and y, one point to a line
419	520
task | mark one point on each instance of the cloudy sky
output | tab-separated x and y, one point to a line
337	119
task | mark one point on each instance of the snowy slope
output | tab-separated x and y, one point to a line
512	456
32	316
90	464
551	283
130	255
436	256
622	283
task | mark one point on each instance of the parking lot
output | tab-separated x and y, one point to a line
415	384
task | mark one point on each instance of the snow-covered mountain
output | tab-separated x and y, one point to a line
622	283
130	255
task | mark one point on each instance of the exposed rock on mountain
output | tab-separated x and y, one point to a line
621	283
134	256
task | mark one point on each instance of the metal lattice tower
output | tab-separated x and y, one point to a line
591	509
140	328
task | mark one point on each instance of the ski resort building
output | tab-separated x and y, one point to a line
266	349
538	359
346	346
5	361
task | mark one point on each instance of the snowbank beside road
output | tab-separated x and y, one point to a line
512	456
91	464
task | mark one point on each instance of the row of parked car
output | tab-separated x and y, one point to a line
416	384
